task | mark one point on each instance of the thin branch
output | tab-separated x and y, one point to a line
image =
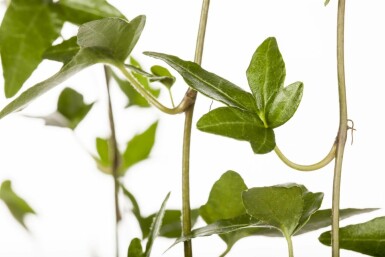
311	167
186	210
342	132
115	158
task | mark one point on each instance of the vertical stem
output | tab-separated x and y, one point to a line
115	159
342	132
186	210
290	246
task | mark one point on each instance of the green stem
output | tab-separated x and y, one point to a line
184	104
290	246
115	159
342	131
186	210
316	166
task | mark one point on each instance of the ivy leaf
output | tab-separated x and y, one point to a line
266	73
238	124
82	11
155	227
225	202
284	207
209	83
168	79
16	205
29	27
284	105
107	41
138	149
64	51
366	238
135	249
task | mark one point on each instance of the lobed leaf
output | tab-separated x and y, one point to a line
238	124
18	207
106	41
28	28
367	238
209	83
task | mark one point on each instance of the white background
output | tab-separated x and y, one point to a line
52	170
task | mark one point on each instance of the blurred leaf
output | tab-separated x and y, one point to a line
28	28
366	238
155	227
82	11
284	207
135	208
209	83
64	51
138	148
160	71
16	205
111	44
326	2
266	74
284	105
103	147
135	249
238	124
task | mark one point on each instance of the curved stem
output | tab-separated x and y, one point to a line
186	210
115	159
316	166
184	104
342	132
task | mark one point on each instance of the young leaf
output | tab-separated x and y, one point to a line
366	238
266	73
155	227
104	41
28	28
103	147
138	149
168	79
284	105
82	11
64	51
238	124
16	205
209	83
135	249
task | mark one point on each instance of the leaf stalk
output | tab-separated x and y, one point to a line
342	131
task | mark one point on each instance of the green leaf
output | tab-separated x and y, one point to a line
284	105
64	51
266	73
72	107
209	83
103	147
285	207
135	209
16	205
114	36
82	11
104	41
138	149
326	2
171	226
135	249
366	238
155	227
238	124
29	27
168	79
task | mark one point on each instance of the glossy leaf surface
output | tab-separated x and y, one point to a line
100	42
238	124
209	83
28	28
18	207
284	105
266	73
82	11
64	51
138	148
367	238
